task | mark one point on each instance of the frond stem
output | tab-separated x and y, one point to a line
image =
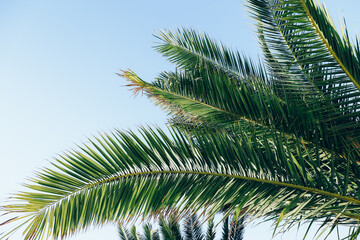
264	181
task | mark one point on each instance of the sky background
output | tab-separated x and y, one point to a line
58	85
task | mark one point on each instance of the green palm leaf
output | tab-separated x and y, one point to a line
218	98
124	233
312	63
170	229
150	234
241	109
189	50
210	233
121	177
192	229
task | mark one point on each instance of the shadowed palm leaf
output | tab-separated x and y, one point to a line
279	141
170	229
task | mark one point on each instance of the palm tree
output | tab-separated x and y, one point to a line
277	140
170	229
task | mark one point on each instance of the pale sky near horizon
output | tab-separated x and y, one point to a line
58	61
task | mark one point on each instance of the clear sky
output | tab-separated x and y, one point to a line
58	85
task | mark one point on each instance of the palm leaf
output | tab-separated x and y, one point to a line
192	228
210	233
170	229
124	233
221	104
199	92
312	62
225	229
190	50
122	177
150	234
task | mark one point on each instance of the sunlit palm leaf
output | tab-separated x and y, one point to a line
123	177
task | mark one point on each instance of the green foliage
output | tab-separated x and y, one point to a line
278	142
170	229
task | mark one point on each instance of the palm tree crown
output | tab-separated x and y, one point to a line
278	140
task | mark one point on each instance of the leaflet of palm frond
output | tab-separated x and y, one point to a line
232	230
124	233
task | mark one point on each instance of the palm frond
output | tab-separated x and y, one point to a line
257	110
225	229
192	228
150	234
237	229
122	177
134	234
124	234
232	230
189	49
170	229
312	64
210	233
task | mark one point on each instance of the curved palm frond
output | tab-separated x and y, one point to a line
122	176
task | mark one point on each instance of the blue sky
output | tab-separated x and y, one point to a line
58	61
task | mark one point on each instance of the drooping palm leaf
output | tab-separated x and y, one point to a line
122	176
